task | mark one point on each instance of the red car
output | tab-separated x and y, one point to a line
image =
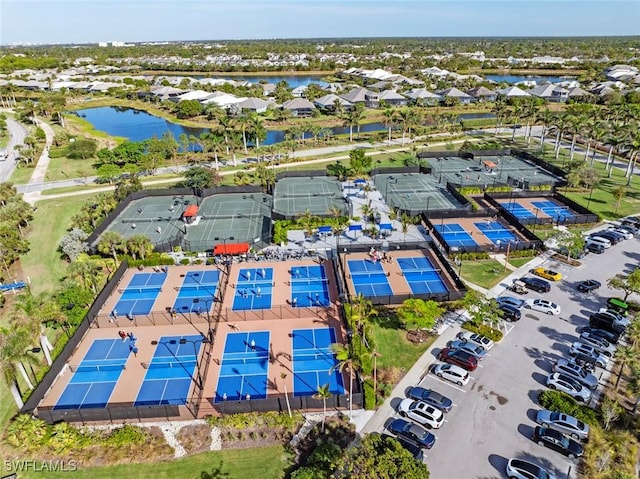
458	357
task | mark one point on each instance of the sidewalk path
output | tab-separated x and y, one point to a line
40	172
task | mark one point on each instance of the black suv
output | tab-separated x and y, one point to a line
537	284
601	321
595	248
510	313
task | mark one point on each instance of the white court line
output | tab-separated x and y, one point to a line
448	383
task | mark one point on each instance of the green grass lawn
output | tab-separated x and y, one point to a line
485	273
22	175
394	349
64	168
42	264
265	462
518	262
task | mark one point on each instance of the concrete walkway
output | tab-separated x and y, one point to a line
39	174
365	421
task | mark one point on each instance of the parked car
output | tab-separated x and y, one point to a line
634	220
618	305
580	348
568	385
414	448
585	361
629	228
479	339
563	423
557	441
608	235
536	284
430	397
547	274
621	231
452	373
595	248
510	313
521	469
599	344
575	371
604	242
458	357
588	285
510	301
615	316
600	321
421	412
612	337
543	306
616	234
472	348
413	432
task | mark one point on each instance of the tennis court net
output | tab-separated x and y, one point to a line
421	271
232	216
187	364
143	220
371	274
307	194
309	281
141	289
90	368
244	283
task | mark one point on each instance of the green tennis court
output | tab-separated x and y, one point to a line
414	192
319	195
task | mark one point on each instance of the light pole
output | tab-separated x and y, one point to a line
535	221
209	304
195	353
34	351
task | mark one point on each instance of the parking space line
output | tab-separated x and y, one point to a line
449	383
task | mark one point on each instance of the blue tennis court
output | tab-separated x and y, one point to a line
254	288
495	232
369	278
96	376
314	363
244	366
140	294
197	291
455	235
170	372
421	275
309	286
549	208
517	210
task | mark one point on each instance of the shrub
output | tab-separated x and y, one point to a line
561	402
185	261
369	398
484	329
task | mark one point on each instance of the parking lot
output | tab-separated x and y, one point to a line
494	414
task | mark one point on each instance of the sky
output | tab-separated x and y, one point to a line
91	21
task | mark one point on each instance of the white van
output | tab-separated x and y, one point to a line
598	240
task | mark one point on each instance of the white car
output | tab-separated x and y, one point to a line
623	232
511	301
571	369
421	412
543	306
521	469
475	338
452	373
578	348
568	385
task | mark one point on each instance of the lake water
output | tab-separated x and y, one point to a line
292	80
519	78
137	125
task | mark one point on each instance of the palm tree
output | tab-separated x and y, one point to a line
599	132
140	245
283	376
628	356
323	393
500	110
389	120
545	117
108	244
346	360
634	148
243	123
257	129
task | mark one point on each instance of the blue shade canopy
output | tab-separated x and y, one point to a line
324	229
359	181
355	227
385	226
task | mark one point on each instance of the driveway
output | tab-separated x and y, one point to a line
493	416
17	134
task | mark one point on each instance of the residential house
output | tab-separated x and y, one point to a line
392	98
513	92
328	102
456	94
577	93
422	96
268	88
362	95
299	91
253	105
482	93
299	107
550	92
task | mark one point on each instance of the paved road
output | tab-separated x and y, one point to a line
17	134
493	415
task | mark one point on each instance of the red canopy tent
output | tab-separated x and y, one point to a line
231	248
489	164
192	210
